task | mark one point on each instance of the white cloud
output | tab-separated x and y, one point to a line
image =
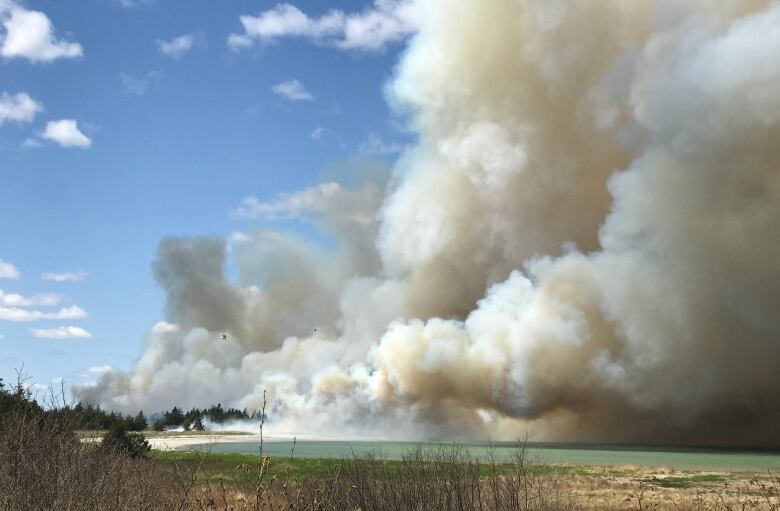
237	237
139	86
32	142
62	332
177	46
17	314
66	133
101	370
293	90
129	4
8	271
320	134
374	144
385	22
37	387
162	327
19	107
343	205
30	35
39	300
289	204
67	276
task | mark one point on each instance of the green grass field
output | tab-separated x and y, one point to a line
242	467
548	453
231	467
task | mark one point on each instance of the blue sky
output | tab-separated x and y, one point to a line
122	122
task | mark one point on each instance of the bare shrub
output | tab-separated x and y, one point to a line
439	478
44	466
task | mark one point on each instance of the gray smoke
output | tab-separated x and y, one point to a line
583	244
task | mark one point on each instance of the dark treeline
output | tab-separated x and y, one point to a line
89	417
16	398
78	416
18	406
93	417
194	419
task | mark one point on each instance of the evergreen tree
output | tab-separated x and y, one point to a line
116	438
139	422
198	425
175	417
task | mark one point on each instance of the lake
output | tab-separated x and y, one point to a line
579	454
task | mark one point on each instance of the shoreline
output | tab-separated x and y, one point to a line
177	441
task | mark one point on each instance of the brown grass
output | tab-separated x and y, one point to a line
43	466
449	479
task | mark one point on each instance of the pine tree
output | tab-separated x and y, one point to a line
198	424
139	423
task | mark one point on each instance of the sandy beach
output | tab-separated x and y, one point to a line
172	443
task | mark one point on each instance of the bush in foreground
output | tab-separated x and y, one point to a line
44	466
117	439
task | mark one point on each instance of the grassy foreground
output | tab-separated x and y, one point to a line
227	465
230	467
444	473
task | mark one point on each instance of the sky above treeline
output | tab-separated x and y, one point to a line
125	121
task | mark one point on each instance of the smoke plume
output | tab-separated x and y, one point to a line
583	244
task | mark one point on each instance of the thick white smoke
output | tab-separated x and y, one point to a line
584	244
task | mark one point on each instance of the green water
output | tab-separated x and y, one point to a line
679	458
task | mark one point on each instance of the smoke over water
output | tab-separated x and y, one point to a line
584	244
